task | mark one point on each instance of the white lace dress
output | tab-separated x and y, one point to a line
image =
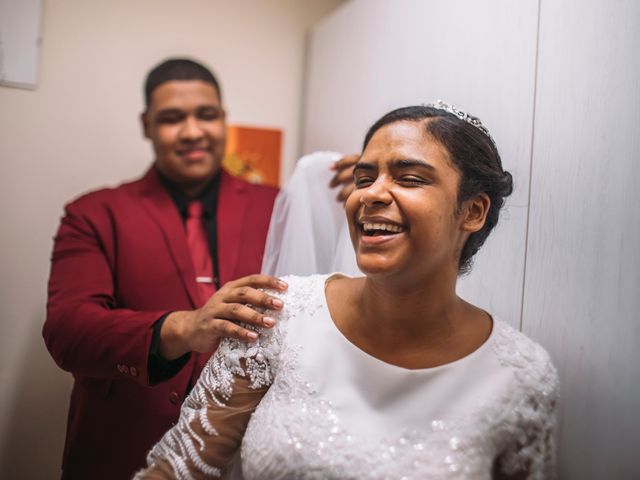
327	410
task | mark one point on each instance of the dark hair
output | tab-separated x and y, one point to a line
474	155
177	69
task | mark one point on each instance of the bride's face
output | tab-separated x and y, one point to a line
403	214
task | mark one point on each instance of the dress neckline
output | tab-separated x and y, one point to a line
373	359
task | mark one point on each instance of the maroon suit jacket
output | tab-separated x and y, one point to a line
120	261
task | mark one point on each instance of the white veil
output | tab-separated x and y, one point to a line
308	231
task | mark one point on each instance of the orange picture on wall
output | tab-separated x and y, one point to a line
253	154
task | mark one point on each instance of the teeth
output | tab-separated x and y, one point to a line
381	226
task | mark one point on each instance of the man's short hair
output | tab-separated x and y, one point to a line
177	69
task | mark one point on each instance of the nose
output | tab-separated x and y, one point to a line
377	193
191	130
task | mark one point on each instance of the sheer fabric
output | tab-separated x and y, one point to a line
331	411
308	233
204	442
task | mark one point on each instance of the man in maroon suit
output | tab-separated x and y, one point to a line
130	311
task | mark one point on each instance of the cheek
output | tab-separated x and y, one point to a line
217	131
167	137
351	207
413	203
436	229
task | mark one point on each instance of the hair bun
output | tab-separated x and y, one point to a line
507	184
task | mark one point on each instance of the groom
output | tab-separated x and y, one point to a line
146	277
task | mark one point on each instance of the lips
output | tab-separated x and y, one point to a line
379	226
376	232
193	154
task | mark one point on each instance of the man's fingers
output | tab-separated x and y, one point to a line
344	170
233	303
342	177
346	161
237	312
345	192
259	281
232	330
256	298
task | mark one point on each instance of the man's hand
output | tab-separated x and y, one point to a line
200	330
344	176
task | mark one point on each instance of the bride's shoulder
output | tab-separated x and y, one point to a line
304	294
528	359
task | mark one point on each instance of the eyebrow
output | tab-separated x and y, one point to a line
411	162
169	111
176	110
364	166
399	163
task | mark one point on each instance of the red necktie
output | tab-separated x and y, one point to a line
200	254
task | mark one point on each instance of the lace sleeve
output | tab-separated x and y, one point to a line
532	454
215	415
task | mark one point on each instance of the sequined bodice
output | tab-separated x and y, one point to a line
334	412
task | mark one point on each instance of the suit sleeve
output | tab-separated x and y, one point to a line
84	331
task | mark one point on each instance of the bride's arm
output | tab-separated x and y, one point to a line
215	415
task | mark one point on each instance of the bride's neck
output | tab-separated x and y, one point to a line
410	313
404	325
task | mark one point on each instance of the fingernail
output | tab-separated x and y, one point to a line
282	285
333	166
277	303
252	335
268	321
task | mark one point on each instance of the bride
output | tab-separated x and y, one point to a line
390	375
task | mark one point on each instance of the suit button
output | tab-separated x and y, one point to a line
174	398
123	369
133	371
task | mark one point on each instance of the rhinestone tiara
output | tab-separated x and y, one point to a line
470	119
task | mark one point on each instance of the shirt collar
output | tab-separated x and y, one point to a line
208	196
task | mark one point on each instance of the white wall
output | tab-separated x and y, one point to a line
558	85
583	263
79	130
375	55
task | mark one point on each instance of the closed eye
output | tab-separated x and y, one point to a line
362	182
209	114
413	180
170	118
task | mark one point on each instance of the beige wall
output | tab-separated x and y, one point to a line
79	130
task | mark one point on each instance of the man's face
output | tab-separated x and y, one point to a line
185	122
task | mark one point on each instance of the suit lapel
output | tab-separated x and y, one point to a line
231	213
162	210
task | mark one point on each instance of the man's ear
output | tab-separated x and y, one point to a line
475	212
144	120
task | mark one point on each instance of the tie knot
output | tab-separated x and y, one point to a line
195	209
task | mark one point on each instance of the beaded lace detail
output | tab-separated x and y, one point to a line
295	433
257	361
298	433
531	408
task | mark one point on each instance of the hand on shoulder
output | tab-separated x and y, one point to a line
236	302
